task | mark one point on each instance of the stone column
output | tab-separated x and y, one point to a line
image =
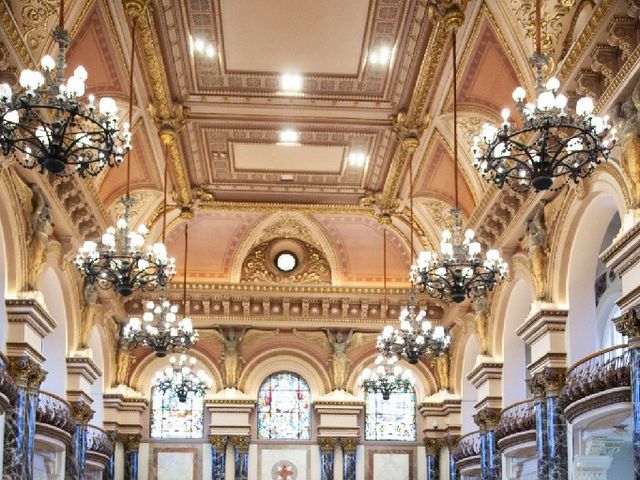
349	445
76	455
241	457
20	427
552	380
327	457
452	444
540	408
109	472
629	324
432	446
131	444
218	456
487	420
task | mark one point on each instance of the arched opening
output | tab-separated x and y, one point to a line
514	369
284	408
54	345
469	392
97	389
583	335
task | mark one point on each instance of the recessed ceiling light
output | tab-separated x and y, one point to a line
291	82
289	137
380	56
357	159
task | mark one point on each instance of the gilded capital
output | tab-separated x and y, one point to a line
130	441
327	444
628	324
134	8
240	443
433	445
536	385
487	419
26	373
218	442
453	18
548	382
81	411
349	444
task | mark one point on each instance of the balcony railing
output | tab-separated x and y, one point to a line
603	370
516	418
98	441
468	446
54	411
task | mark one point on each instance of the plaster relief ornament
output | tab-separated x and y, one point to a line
284	470
629	123
337	345
535	242
235	342
90	311
481	321
41	227
442	370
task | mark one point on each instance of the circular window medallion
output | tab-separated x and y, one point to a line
284	470
286	261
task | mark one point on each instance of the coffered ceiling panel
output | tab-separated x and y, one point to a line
261	36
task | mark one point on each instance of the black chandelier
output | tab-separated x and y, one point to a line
120	260
459	271
387	377
553	145
159	328
181	378
45	124
415	337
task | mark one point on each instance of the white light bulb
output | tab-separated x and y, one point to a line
546	100
584	106
561	101
519	94
505	114
107	106
553	84
12	116
81	73
47	63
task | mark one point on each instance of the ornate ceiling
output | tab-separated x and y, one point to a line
375	86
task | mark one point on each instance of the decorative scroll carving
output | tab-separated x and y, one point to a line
98	441
312	268
517	418
468	446
54	411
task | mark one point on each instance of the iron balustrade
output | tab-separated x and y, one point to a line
516	418
468	446
98	441
54	411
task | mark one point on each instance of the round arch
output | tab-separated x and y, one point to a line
288	360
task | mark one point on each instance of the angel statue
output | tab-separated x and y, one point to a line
442	370
235	342
41	227
337	345
535	241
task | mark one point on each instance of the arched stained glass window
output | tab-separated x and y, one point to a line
284	408
171	418
393	419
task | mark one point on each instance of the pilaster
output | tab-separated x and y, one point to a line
131	445
218	456
241	456
349	447
29	323
327	457
432	447
76	455
487	420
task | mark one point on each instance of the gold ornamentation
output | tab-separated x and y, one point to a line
349	444
481	321
218	442
629	122
89	313
240	443
82	413
327	444
41	227
26	373
170	139
432	445
487	419
442	371
628	324
35	16
259	267
123	362
535	241
130	441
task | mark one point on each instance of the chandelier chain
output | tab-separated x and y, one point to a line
133	55
455	118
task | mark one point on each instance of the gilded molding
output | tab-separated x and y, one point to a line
240	443
218	442
327	444
170	139
349	444
15	37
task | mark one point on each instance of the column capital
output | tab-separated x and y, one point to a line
26	372
549	381
240	442
218	442
82	413
130	441
433	445
327	444
487	419
349	444
628	324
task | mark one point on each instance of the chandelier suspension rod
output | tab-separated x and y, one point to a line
133	54
384	270
61	18
411	206
538	27
184	278
455	118
164	193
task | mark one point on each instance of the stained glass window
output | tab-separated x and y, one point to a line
284	408
173	419
393	419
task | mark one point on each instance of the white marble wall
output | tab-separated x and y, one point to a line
48	465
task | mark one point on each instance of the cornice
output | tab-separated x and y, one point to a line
30	311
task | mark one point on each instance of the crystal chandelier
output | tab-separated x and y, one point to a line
387	377
159	328
553	145
45	123
180	378
415	337
459	271
120	260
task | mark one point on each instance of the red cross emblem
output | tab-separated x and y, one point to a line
284	473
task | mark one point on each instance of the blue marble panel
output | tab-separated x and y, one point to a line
217	464
433	467
349	465
326	464
540	408
16	439
557	437
241	460
635	400
131	465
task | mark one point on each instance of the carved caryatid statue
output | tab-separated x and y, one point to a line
41	227
481	321
123	362
629	123
235	342
337	345
90	311
442	370
535	241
